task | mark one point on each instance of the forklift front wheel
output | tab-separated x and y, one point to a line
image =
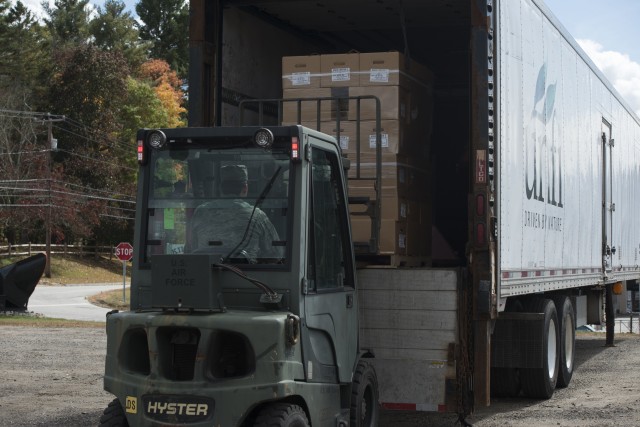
113	415
365	411
282	415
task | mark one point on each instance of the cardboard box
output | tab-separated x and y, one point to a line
399	176
346	134
391	137
394	103
391	69
340	70
393	235
392	206
301	71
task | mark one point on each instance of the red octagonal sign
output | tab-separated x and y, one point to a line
124	251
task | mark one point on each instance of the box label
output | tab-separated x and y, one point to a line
340	74
301	79
344	142
379	75
384	139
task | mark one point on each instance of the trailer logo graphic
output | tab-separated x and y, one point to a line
543	157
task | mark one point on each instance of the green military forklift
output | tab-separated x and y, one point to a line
227	327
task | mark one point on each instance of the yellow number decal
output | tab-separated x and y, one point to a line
132	405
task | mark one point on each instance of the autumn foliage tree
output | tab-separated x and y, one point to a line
167	86
90	66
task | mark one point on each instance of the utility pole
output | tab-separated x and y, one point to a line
53	145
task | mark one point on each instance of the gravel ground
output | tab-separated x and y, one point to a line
53	377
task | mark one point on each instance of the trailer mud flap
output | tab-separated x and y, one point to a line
517	342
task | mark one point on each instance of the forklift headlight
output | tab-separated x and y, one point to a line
263	138
157	139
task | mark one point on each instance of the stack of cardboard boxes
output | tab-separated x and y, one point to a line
406	101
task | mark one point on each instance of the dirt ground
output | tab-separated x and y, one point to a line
53	377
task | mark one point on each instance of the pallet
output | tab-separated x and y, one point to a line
392	261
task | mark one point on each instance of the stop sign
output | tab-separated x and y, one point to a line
124	251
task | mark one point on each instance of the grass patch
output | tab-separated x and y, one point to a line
112	299
75	269
45	322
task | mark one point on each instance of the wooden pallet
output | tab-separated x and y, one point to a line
392	261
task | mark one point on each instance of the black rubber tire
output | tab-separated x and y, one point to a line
540	383
113	415
282	415
567	338
365	409
505	382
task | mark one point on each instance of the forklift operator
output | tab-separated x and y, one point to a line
222	225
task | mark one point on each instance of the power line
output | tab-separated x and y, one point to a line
10	181
95	160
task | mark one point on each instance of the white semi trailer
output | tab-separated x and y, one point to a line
535	172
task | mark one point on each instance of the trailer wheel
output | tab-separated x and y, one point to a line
113	415
282	415
541	382
567	328
365	411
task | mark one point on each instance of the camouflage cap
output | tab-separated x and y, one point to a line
234	173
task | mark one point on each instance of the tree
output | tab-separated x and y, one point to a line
142	109
166	26
22	55
89	87
113	29
23	171
167	86
22	161
67	22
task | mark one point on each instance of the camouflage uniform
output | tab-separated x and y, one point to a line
224	222
220	225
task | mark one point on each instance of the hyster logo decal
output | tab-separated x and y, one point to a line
181	409
190	409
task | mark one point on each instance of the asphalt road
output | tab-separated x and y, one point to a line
69	302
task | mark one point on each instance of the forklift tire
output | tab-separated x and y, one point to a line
282	415
113	415
567	328
365	411
540	383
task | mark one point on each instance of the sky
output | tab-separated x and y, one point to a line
607	30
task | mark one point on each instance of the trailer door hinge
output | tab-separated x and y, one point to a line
612	142
307	152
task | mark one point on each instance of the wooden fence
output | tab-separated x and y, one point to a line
34	248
